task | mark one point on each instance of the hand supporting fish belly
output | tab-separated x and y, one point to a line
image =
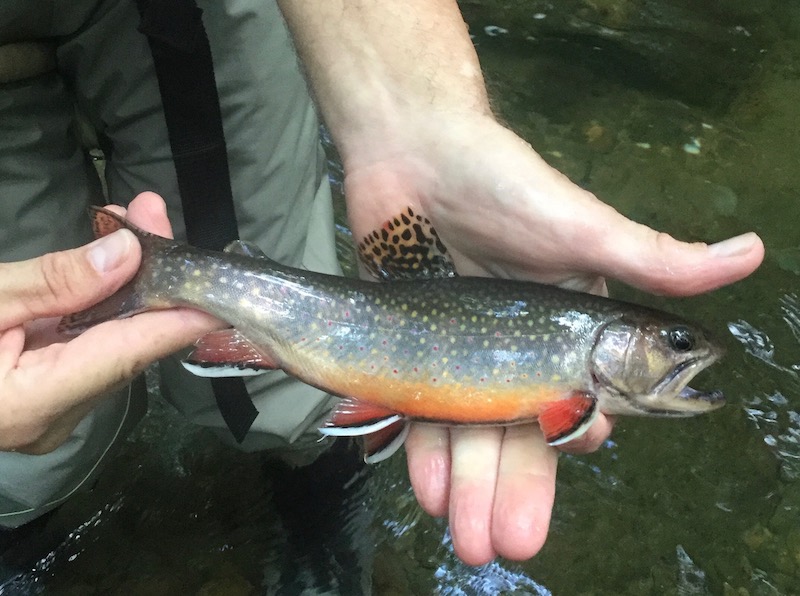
426	345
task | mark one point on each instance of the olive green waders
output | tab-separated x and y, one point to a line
87	55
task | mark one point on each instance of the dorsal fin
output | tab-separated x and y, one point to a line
247	249
406	247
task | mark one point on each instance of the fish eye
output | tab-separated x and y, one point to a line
680	339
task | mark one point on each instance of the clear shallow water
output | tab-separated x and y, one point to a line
702	506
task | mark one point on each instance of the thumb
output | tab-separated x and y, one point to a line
63	282
657	262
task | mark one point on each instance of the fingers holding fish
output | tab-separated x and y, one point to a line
63	282
475	453
525	492
48	382
12	342
148	211
428	457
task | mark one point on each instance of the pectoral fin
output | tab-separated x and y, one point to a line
568	418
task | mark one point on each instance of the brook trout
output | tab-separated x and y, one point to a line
428	346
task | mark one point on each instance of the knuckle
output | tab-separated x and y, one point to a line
62	278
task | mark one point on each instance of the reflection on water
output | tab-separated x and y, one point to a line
682	115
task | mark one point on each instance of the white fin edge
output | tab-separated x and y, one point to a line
578	432
216	372
390	448
357	431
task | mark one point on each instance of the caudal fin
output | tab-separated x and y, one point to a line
127	301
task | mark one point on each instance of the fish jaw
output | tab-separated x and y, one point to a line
637	372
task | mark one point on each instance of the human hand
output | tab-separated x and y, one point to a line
502	211
402	93
48	383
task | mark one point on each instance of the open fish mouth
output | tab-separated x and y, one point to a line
687	401
715	399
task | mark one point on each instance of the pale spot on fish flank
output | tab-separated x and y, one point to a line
196	273
555	359
555	378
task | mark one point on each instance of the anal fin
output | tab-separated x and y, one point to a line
227	353
568	418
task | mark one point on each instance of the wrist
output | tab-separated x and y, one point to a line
378	69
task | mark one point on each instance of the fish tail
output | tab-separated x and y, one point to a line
105	222
128	300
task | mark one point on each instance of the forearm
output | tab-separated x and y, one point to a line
375	65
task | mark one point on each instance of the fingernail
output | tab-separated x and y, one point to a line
109	251
733	247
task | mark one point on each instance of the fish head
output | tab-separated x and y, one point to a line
641	364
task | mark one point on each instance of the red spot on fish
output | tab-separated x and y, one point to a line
384	342
452	321
416	369
395	371
497	334
346	314
435	348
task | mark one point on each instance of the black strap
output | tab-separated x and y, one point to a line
182	58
